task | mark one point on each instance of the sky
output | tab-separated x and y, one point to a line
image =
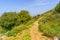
33	6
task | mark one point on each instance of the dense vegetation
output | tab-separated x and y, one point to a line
24	16
49	23
9	20
20	28
57	8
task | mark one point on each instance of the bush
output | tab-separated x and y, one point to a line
9	20
24	16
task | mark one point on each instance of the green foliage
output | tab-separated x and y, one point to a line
49	24
2	31
37	16
24	16
20	28
26	36
58	7
9	20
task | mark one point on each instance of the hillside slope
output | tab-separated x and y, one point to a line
32	31
35	34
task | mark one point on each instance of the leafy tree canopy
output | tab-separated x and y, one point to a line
9	20
24	16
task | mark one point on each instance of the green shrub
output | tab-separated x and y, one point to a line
24	16
8	20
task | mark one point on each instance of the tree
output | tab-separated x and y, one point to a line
24	16
9	20
36	17
57	8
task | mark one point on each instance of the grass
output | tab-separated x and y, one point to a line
24	35
20	32
20	28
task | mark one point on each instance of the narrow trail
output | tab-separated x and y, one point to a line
35	34
34	31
